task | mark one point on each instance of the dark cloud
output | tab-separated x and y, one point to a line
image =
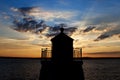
89	29
108	34
103	36
25	10
32	25
26	22
51	34
56	29
29	23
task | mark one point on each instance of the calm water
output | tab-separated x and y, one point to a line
28	69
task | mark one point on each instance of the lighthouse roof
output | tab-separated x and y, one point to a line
61	36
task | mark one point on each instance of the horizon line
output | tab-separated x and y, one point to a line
50	58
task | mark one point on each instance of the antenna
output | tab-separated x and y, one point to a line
62	29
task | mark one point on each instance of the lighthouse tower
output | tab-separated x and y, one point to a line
61	66
62	48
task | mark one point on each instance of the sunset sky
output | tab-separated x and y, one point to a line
93	24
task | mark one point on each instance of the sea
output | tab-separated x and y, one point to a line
29	69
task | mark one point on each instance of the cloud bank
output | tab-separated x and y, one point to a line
32	19
46	23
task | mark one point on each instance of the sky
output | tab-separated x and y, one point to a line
26	26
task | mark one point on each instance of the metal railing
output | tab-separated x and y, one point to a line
46	53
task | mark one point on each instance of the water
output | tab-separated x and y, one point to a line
19	69
102	69
29	69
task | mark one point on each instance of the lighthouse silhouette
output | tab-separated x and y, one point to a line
62	65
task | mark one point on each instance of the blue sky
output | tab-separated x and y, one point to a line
94	24
80	8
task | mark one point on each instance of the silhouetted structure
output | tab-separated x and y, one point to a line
61	66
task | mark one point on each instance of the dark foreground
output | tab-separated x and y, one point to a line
29	69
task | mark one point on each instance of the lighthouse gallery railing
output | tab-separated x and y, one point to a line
46	53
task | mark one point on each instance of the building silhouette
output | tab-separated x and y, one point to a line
61	65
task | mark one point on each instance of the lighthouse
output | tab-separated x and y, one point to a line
62	48
62	65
